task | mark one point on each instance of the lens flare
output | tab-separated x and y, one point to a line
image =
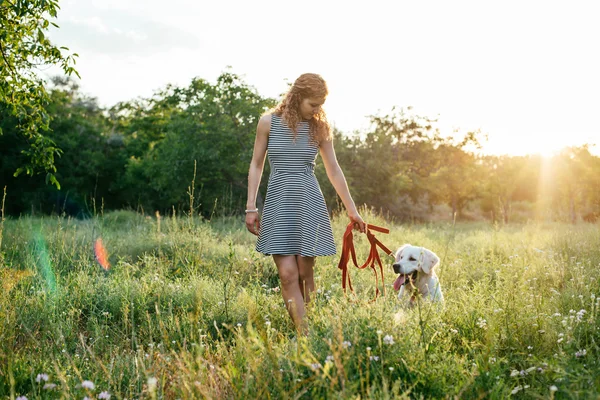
101	254
43	262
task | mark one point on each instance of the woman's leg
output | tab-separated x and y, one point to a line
287	267
306	279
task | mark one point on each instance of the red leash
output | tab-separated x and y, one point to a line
349	251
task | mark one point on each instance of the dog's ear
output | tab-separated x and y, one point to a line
430	261
400	249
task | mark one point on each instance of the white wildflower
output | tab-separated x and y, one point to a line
482	323
49	386
388	339
152	384
41	377
104	395
346	344
88	385
315	366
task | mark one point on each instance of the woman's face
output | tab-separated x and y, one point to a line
310	106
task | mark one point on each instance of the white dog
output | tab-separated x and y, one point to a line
416	275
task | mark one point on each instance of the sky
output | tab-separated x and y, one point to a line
525	73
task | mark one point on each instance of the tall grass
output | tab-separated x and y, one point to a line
189	310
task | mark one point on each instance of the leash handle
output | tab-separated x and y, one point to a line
348	251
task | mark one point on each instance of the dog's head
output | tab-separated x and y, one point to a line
410	260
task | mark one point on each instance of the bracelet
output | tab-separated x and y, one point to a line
252	211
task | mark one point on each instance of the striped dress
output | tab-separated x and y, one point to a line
295	220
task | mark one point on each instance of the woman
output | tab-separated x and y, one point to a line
295	226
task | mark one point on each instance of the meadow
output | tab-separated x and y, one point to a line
188	310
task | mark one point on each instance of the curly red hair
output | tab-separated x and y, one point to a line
306	86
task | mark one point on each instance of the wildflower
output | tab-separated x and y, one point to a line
482	323
517	389
379	332
104	395
49	386
21	398
41	377
315	366
374	358
388	339
346	344
391	368
553	388
454	331
239	325
492	360
580	353
268	323
152	384
329	358
276	289
529	347
368	349
88	385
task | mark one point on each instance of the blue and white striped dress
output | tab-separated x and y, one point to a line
295	220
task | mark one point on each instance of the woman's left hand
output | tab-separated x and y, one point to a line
358	221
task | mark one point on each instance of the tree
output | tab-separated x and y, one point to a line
24	48
575	182
208	125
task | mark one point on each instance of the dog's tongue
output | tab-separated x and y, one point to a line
399	281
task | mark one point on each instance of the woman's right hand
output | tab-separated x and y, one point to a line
358	221
253	222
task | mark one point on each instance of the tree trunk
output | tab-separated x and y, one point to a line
506	212
454	207
572	209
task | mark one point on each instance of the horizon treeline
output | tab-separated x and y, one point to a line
188	149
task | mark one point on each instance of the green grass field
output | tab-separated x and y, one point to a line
189	310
